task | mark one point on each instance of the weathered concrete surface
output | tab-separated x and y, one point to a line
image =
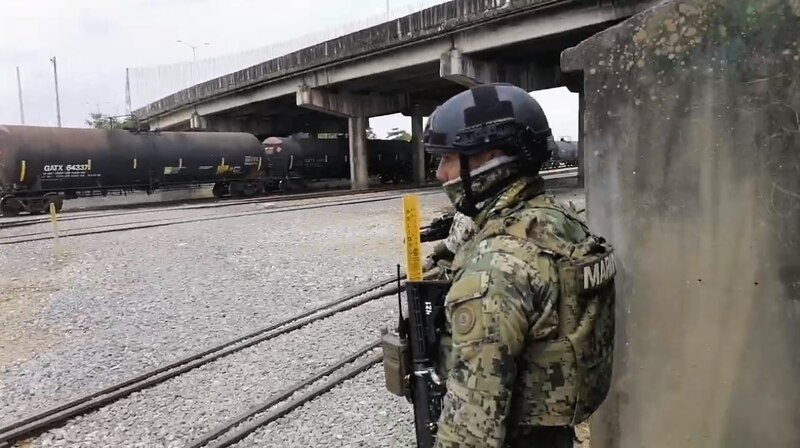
350	105
418	157
423	36
469	72
693	173
359	167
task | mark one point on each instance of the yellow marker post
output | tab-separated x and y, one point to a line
413	250
54	220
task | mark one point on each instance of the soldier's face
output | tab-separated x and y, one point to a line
450	164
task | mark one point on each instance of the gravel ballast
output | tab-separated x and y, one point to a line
106	307
358	413
186	407
109	306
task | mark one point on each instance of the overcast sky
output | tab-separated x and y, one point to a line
95	40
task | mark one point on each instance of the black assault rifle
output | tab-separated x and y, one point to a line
410	356
438	229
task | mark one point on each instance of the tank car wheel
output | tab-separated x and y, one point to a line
51	198
219	190
9	206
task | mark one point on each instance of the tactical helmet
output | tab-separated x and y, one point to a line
490	116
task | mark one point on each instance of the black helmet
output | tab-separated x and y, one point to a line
489	116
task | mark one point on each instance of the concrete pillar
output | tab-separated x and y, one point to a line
359	173
418	155
692	157
581	181
357	109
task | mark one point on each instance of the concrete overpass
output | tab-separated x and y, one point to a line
407	66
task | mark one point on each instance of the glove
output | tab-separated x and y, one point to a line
429	263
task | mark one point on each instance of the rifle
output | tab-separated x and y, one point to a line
438	229
410	356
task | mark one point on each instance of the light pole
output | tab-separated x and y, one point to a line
58	104
19	91
193	47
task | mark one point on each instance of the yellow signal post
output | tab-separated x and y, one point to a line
413	247
54	220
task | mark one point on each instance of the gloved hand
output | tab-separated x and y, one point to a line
429	263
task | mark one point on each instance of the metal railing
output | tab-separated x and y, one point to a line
150	83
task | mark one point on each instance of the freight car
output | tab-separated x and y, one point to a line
297	160
565	154
44	165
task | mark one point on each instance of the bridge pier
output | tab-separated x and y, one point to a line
418	155
357	133
357	109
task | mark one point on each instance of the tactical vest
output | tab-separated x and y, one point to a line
562	381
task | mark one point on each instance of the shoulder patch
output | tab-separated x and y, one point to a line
463	319
597	272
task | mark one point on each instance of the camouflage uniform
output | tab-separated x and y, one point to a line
460	232
504	297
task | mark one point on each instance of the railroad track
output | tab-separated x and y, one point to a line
278	405
37	424
160	207
153	223
218	203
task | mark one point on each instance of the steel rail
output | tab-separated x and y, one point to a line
53	417
40	236
275	400
193	204
299	401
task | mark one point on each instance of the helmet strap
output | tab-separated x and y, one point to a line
469	207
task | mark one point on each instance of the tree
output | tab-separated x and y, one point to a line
101	121
398	134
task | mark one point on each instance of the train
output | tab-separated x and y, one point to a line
564	155
40	166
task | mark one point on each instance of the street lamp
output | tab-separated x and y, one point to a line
193	47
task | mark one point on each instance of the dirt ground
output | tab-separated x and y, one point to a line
22	298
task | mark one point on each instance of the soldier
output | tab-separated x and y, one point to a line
462	230
528	338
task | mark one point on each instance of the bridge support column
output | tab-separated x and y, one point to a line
359	173
418	155
581	181
698	189
358	109
469	72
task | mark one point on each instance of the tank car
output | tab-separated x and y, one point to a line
44	165
391	160
297	159
565	154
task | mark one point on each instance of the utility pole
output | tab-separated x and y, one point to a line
193	47
58	104
19	90
127	92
